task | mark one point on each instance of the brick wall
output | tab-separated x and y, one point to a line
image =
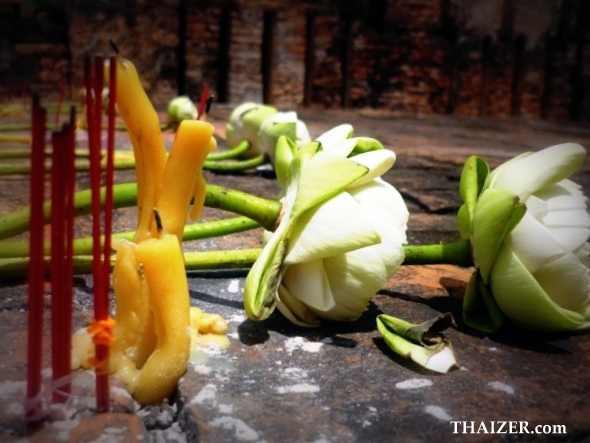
145	32
497	58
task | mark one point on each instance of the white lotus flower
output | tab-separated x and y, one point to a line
529	228
244	125
339	239
281	123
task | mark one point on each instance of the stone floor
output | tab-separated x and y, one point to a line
339	382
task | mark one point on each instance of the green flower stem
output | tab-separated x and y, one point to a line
80	165
455	253
125	161
230	153
16	268
26	153
83	246
84	153
233	166
9	127
17	222
263	211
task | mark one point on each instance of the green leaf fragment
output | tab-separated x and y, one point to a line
424	343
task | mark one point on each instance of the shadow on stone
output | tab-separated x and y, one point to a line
329	332
252	333
201	296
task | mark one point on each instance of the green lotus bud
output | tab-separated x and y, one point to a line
244	125
181	108
529	228
423	343
281	124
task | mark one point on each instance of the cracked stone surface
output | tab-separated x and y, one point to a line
339	382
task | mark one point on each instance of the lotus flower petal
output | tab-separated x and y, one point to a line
529	174
582	252
309	284
561	196
385	207
566	281
573	218
378	163
294	310
524	242
536	207
343	148
523	300
337	226
572	238
355	277
335	135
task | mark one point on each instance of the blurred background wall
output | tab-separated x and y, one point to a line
498	58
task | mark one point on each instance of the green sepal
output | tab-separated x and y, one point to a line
260	300
284	154
336	174
473	178
492	221
365	144
464	222
281	128
480	310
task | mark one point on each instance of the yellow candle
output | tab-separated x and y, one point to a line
163	264
153	320
148	145
135	335
194	140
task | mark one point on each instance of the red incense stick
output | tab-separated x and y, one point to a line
108	210
33	404
203	101
94	108
59	303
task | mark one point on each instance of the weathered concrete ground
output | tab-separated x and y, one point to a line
339	382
